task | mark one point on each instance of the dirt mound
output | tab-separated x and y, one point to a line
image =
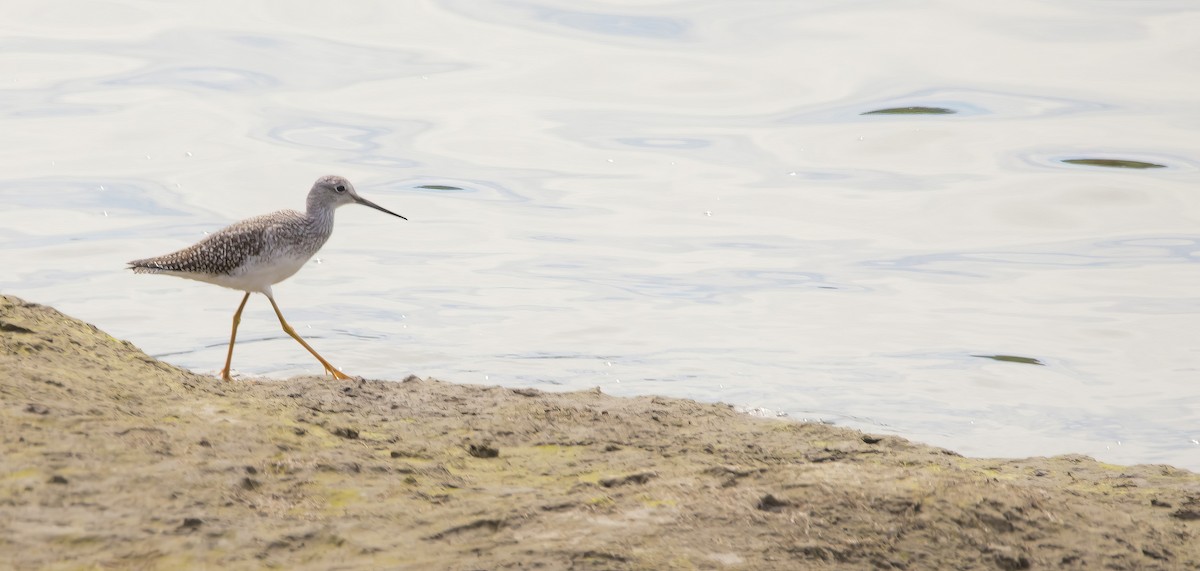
112	459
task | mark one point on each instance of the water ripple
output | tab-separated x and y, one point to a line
218	78
1124	252
566	21
966	103
91	196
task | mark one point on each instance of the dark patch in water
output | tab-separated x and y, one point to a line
1012	359
1114	163
912	111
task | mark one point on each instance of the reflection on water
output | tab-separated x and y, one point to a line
977	230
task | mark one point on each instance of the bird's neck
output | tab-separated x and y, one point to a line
320	213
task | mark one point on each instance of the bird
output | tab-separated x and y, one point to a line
256	253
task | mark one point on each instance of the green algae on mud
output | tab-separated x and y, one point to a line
112	459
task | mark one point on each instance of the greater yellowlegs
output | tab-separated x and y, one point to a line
256	253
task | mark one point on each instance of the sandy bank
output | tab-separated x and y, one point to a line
111	459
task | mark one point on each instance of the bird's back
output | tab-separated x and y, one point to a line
264	250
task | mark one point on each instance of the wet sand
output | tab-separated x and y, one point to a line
112	459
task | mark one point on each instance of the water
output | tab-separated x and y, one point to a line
687	199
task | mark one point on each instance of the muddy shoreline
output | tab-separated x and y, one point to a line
112	459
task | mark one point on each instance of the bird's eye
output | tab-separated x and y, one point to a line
340	188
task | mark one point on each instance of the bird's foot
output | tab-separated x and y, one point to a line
331	370
225	376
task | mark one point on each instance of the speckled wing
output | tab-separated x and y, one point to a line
219	253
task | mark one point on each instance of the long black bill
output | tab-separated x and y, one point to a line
366	202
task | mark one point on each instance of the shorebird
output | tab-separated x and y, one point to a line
256	253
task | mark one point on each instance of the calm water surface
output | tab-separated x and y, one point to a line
689	198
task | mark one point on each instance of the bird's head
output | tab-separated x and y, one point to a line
336	191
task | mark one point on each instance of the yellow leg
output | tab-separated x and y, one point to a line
288	329
237	318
